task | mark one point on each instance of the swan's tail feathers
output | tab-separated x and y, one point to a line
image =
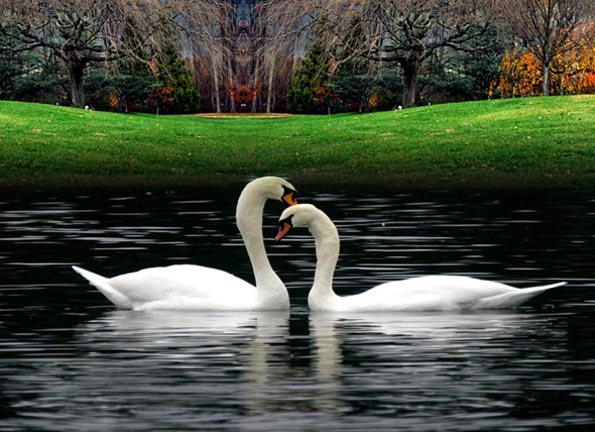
513	298
102	284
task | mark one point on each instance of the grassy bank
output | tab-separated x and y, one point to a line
533	142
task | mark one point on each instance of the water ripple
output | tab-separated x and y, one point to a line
70	362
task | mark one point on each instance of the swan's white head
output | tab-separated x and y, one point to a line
274	188
303	215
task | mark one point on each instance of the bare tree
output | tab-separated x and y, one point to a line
81	32
77	31
545	27
405	32
202	27
281	29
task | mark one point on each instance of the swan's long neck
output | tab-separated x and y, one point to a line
327	254
249	213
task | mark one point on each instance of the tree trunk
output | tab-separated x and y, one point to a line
410	71
255	86
76	70
232	102
546	79
216	88
270	86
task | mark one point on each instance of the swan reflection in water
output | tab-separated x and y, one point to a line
230	358
409	361
246	362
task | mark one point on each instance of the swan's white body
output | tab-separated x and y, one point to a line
427	293
193	287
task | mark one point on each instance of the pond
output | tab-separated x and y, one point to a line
69	361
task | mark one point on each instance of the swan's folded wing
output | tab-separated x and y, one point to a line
183	281
512	298
103	285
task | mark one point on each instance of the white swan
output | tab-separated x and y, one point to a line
194	287
426	293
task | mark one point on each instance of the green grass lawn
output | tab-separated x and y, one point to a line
531	142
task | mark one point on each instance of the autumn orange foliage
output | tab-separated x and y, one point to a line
521	74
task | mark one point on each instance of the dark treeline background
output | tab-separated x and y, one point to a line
303	56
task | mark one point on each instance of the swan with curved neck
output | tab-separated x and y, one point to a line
194	287
426	293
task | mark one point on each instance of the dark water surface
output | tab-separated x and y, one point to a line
70	362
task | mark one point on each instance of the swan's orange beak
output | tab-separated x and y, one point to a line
284	228
290	197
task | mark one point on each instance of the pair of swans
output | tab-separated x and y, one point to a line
194	287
